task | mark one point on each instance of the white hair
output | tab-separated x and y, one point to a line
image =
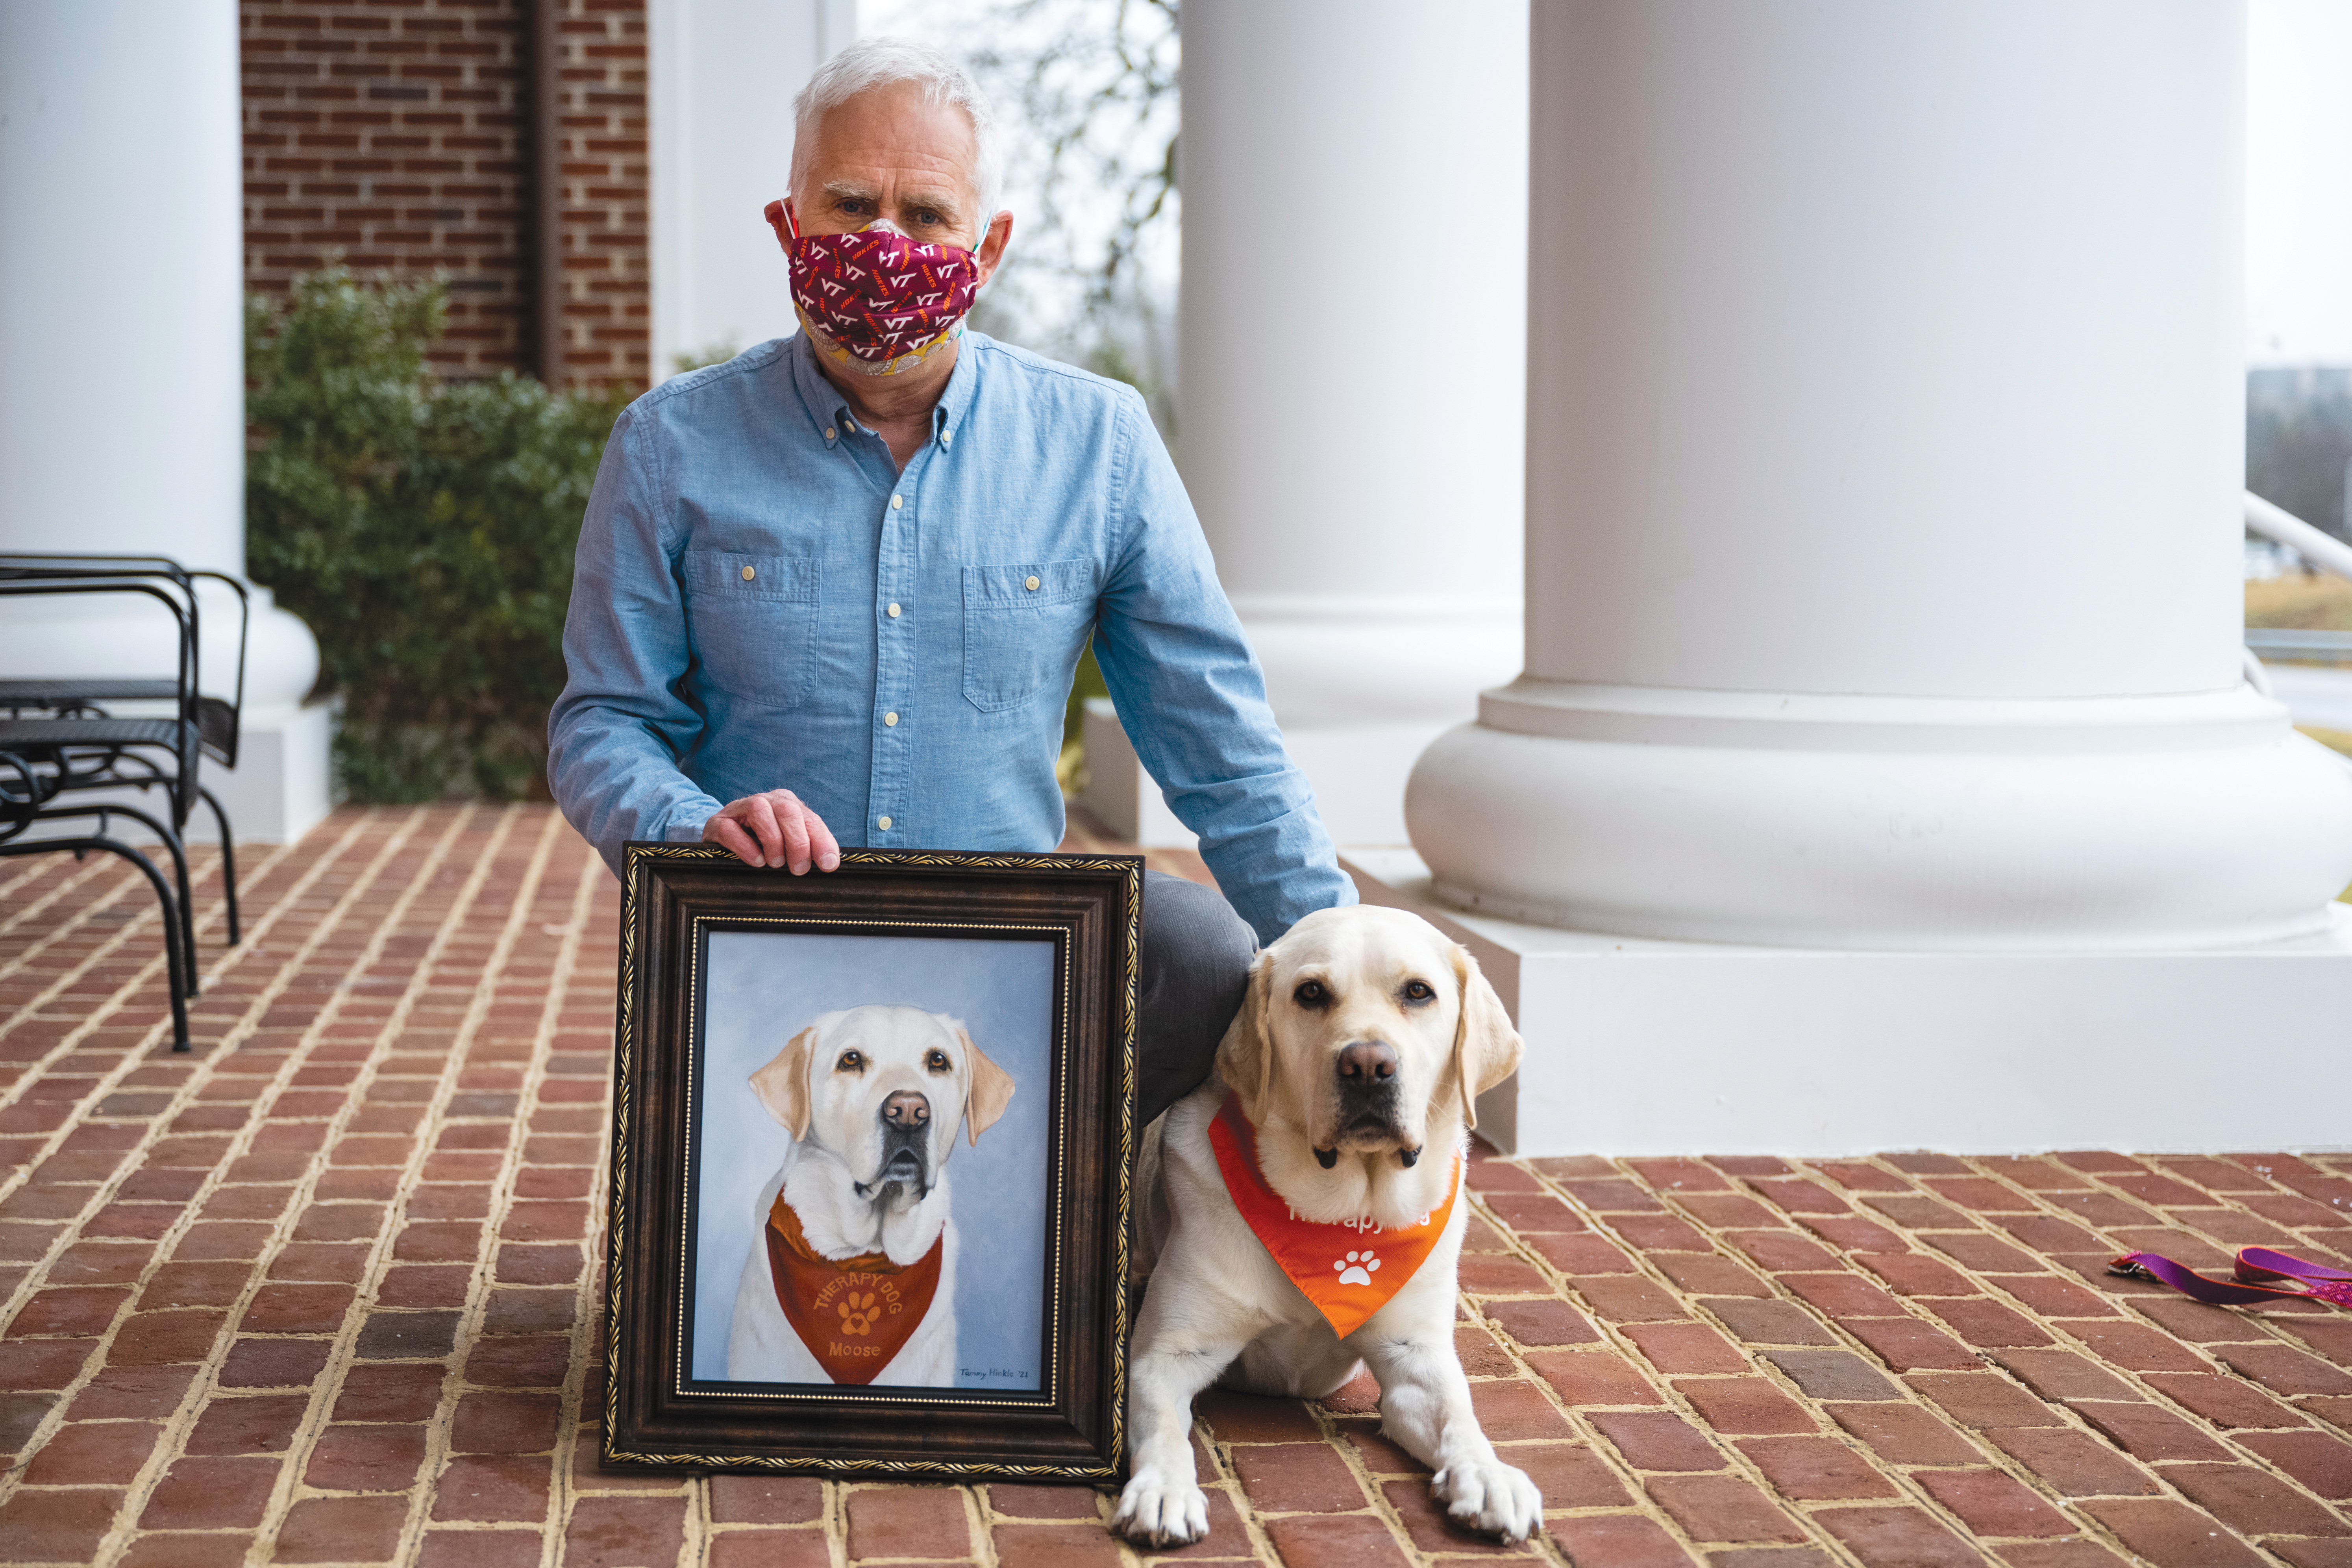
870	63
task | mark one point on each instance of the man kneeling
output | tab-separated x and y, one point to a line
832	592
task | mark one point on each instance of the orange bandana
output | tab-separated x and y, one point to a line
1349	1269
853	1315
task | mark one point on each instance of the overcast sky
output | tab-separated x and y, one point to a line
2299	182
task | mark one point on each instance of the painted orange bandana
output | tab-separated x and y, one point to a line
854	1314
1349	1269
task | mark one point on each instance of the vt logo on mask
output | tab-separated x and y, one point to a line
874	295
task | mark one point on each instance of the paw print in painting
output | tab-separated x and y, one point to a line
1356	1269
858	1313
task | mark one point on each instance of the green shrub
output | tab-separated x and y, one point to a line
424	529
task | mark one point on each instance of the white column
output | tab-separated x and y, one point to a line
723	73
122	364
1881	775
1351	348
1883	517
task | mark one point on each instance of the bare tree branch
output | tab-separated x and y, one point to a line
1087	91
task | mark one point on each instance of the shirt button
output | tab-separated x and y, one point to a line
828	432
894	612
890	719
898	501
748	574
1031	584
883	823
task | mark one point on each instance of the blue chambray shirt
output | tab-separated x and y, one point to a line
761	602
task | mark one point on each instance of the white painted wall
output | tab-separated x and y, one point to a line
723	76
121	361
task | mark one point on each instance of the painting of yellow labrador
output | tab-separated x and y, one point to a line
869	1177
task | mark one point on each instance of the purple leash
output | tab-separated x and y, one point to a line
2256	1264
2332	1286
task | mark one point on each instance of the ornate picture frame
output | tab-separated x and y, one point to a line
873	1149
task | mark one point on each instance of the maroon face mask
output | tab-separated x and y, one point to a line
884	299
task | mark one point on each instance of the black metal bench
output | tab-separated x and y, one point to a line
58	740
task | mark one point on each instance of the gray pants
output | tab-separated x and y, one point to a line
1196	959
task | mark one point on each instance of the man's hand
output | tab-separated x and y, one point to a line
774	829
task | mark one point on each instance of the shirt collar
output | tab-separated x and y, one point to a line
829	413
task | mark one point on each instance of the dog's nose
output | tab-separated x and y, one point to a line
907	1109
1367	1062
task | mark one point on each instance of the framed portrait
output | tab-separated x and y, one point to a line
872	1145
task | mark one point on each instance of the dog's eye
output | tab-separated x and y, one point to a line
851	1061
937	1061
1310	994
1418	990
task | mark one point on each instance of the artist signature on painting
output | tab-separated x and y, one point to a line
994	1373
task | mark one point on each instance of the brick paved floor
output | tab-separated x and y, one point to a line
322	1292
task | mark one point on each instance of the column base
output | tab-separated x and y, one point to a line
1361	687
1905	823
1358	772
282	785
1645	1046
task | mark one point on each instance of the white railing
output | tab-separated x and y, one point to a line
2324	550
2333	647
2256	676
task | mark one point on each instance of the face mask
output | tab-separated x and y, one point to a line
873	301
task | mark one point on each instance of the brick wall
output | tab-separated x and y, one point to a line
598	313
406	134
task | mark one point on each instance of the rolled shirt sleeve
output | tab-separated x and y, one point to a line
617	736
1192	701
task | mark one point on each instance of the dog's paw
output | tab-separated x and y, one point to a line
1490	1496
1160	1510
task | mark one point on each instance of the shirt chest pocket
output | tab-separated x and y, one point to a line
752	621
1023	628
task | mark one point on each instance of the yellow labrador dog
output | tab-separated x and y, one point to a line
1365	1037
852	1277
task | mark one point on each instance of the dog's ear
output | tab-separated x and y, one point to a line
1486	1049
782	1084
991	1092
1245	1055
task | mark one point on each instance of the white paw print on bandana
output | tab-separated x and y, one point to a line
1356	1269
